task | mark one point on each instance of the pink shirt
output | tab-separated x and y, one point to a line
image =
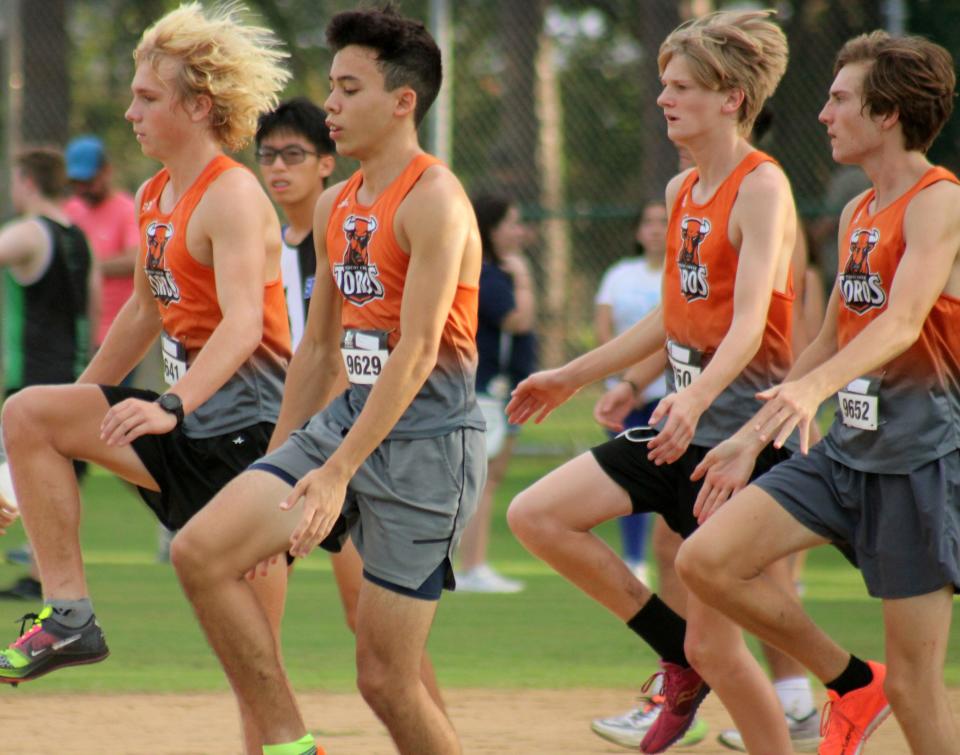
111	228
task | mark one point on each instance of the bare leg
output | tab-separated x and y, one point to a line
392	632
271	592
45	428
553	519
476	535
723	563
348	571
715	647
240	527
781	665
666	543
917	635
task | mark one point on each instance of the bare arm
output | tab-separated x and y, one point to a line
931	229
234	222
764	216
236	218
22	243
541	393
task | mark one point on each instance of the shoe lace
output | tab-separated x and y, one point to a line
649	683
647	704
26	634
836	733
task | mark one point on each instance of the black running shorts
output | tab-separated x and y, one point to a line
666	489
190	471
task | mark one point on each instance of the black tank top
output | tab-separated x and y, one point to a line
46	330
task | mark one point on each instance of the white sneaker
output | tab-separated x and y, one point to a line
629	729
804	734
484	579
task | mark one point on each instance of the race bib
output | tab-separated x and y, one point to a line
364	354
860	403
174	359
685	363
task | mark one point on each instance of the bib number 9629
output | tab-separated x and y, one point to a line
365	353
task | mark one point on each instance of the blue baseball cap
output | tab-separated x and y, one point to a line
84	156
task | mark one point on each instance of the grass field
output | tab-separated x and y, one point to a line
549	636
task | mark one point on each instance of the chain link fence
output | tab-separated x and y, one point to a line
549	102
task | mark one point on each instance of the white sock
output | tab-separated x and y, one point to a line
795	695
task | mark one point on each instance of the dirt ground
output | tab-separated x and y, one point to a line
489	721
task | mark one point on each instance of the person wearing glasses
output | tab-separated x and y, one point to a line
296	156
208	283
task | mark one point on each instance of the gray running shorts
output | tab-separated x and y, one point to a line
901	531
407	504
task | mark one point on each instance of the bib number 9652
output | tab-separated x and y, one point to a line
860	404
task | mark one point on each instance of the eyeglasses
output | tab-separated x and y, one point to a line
291	154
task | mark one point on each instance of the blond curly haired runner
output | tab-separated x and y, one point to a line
238	67
208	283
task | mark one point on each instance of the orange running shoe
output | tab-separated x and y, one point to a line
849	719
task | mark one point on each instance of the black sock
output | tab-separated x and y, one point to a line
662	629
857	674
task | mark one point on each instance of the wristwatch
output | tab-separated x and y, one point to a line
171	403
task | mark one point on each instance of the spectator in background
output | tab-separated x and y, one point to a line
628	291
507	353
108	218
49	297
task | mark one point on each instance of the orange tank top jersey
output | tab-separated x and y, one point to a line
699	275
186	295
906	413
369	269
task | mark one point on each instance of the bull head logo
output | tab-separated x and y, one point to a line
158	234
358	231
692	233
862	242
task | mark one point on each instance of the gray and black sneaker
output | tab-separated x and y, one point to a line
804	734
49	645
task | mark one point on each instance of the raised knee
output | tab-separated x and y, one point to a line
521	518
696	566
187	557
16	420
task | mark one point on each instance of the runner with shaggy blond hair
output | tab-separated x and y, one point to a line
208	283
237	66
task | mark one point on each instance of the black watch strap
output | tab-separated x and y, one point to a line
170	402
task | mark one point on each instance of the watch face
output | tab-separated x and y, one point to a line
169	402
